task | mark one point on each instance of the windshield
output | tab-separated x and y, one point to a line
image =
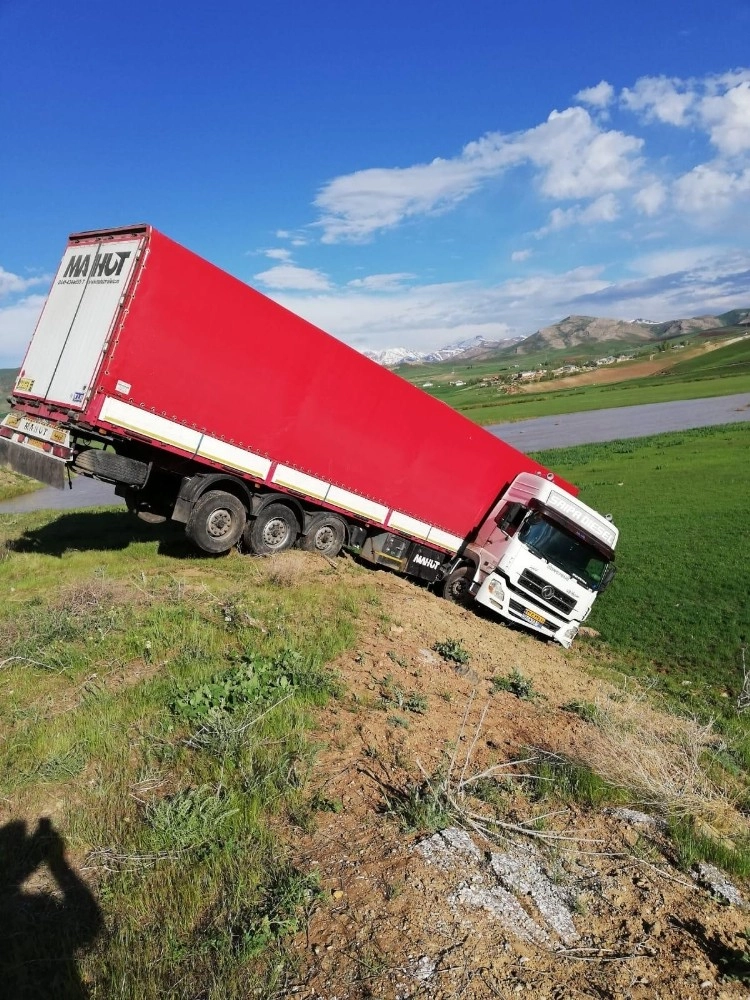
563	549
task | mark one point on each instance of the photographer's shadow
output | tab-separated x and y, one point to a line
41	931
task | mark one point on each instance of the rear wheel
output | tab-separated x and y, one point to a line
326	535
456	584
273	530
216	522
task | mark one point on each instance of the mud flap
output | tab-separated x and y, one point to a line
32	462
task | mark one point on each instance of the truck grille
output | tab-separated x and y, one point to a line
535	584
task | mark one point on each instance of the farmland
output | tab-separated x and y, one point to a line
721	371
680	501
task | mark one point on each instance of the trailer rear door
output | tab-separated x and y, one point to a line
77	321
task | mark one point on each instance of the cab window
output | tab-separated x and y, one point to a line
510	517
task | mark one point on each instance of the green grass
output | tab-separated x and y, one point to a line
158	705
679	602
13	485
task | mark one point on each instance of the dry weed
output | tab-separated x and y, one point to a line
285	569
660	758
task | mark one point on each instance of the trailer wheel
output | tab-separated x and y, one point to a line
456	584
326	535
216	522
273	530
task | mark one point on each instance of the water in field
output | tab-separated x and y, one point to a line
85	493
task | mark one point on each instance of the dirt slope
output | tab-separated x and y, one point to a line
606	914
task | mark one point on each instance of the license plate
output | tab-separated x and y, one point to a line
534	616
41	429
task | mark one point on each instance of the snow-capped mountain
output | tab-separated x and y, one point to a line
394	356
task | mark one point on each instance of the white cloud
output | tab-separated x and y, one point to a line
664	262
573	157
382	282
282	234
12	284
597	97
662	99
17	323
578	159
727	117
520	255
278	254
710	190
604	209
291	277
651	198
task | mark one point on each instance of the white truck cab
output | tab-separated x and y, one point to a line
541	558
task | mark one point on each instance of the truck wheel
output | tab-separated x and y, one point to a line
456	584
216	522
325	535
273	530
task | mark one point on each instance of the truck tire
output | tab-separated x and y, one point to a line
326	535
273	530
456	585
216	522
108	465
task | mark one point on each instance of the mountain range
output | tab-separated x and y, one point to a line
569	332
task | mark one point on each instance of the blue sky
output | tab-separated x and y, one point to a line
402	174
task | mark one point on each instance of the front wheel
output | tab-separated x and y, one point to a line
216	522
456	585
273	530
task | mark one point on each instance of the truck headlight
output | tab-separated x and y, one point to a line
496	590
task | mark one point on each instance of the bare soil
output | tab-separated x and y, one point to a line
398	925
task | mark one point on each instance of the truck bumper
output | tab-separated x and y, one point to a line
496	594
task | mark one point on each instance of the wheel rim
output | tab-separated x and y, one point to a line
219	523
324	537
276	532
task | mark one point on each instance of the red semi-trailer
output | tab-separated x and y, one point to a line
207	402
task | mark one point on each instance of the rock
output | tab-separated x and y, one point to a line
423	968
715	880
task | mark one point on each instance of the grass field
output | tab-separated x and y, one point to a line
176	692
157	707
680	600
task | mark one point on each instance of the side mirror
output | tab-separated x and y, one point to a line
607	577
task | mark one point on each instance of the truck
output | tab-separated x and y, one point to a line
205	402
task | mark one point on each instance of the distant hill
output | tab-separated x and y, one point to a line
571	332
576	330
7	381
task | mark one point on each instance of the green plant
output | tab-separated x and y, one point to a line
256	681
392	694
452	650
585	710
515	683
188	820
561	778
422	807
285	898
693	845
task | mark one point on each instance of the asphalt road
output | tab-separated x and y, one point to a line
527	435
